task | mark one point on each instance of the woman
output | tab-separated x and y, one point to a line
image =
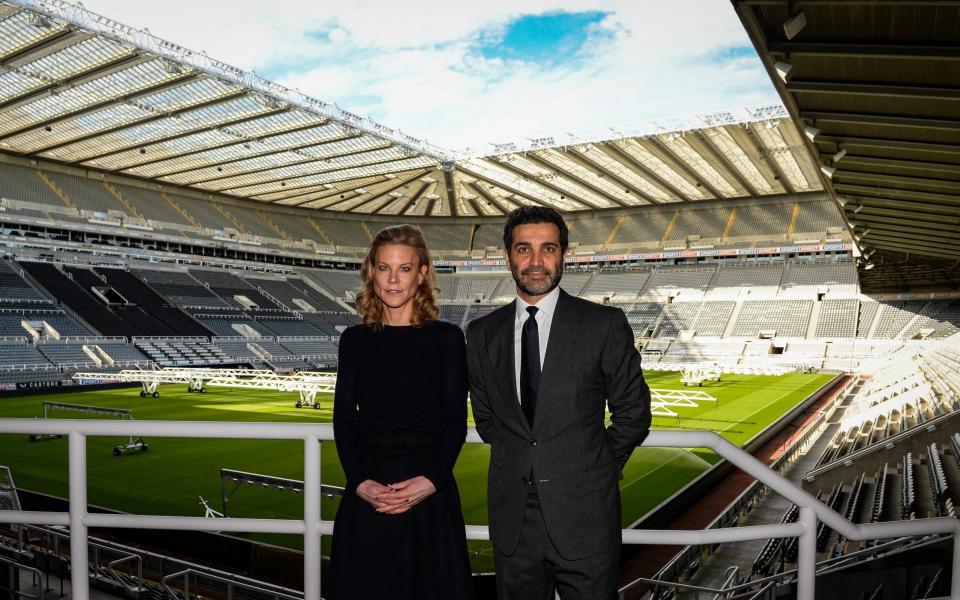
399	419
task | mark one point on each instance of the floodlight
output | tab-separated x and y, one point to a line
783	69
38	20
811	132
843	200
172	68
867	255
868	266
828	171
840	154
857	208
795	25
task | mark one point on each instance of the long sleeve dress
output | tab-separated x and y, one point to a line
400	411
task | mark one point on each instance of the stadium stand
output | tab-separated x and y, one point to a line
678	282
812	278
340	284
838	319
234	290
623	287
79	300
787	318
13	287
180	287
753	279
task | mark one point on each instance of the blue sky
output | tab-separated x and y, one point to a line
465	76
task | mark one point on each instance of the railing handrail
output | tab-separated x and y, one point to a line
312	527
42	577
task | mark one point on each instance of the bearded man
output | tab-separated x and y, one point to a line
543	370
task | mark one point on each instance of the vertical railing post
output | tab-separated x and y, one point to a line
807	555
311	518
79	561
955	577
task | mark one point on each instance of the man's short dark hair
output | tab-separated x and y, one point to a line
530	215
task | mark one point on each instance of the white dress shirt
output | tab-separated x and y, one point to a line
546	307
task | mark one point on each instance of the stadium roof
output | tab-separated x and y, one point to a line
875	85
80	89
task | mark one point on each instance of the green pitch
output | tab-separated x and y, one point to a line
174	473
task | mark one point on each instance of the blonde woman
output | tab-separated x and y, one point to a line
400	421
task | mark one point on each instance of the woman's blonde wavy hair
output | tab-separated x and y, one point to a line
369	304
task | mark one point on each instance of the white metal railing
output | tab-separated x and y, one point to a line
311	527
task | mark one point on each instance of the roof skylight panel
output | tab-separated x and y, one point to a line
630	176
379	169
372	156
778	149
288	202
487	207
349	203
698	164
17	31
738	158
168	153
332	177
437	207
70	99
229	162
464	207
395	206
278	172
659	168
131	138
297	195
79	127
290	119
64	131
232	168
372	204
306	137
419	207
77	58
526	187
596	179
365	143
319	203
14	83
193	92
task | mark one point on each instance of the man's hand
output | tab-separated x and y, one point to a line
404	495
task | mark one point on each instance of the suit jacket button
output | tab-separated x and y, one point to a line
533	442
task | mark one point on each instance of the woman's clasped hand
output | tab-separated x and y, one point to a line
395	498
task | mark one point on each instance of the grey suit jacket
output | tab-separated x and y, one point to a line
591	362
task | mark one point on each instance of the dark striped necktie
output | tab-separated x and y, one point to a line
529	364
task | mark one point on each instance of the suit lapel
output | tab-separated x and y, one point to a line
504	365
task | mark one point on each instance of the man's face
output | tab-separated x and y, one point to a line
535	259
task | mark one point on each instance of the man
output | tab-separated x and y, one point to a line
542	369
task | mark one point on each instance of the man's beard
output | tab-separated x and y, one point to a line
531	289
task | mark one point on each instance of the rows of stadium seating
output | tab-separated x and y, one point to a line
206	302
71	198
792	279
919	485
913	485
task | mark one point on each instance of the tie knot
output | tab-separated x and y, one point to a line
532	311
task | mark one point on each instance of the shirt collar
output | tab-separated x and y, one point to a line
547	304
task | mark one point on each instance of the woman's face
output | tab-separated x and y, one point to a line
396	274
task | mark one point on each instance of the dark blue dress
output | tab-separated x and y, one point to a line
400	410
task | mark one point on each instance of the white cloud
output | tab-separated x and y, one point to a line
412	65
